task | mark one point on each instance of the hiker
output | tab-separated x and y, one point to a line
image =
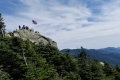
35	31
19	27
27	27
23	27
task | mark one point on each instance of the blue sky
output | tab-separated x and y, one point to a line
92	24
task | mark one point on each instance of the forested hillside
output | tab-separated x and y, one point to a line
23	60
48	63
111	55
111	49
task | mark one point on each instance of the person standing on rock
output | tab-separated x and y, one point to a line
19	27
23	27
27	27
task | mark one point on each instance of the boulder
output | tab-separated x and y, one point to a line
33	37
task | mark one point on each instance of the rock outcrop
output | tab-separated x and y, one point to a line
35	37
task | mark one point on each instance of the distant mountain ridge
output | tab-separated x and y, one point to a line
109	54
111	49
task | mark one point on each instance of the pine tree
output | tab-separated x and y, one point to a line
2	26
84	65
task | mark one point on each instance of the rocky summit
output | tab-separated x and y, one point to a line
35	37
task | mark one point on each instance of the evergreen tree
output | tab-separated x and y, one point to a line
117	68
109	71
4	75
96	70
84	63
2	27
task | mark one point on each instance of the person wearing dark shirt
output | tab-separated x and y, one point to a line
19	27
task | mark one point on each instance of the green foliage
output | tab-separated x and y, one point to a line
48	63
84	65
2	27
108	70
4	75
96	70
1	22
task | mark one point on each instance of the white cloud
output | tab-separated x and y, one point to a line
68	24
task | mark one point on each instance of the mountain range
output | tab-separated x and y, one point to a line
109	54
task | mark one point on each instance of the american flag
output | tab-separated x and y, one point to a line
34	22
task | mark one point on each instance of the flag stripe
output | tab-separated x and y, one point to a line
34	22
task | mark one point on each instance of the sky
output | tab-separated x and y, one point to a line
92	24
